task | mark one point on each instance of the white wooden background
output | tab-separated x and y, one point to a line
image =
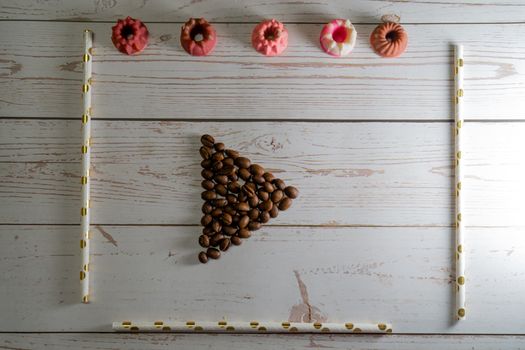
367	140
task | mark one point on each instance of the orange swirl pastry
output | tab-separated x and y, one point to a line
389	39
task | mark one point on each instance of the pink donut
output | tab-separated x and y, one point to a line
270	37
338	37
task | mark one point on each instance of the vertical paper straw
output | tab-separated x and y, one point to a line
86	153
460	229
251	327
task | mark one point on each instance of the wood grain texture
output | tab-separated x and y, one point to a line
359	11
401	275
41	75
98	341
148	172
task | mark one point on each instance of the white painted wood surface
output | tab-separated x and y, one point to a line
41	68
370	237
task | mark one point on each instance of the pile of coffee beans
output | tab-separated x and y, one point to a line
238	198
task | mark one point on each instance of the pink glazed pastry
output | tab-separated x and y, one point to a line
129	35
198	37
270	37
338	37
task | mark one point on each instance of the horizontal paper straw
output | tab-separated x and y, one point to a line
251	327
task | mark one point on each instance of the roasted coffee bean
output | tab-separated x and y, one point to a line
274	212
207	174
253	201
235	219
215	239
277	195
244	233
208	195
264	217
203	258
206	220
285	203
229	230
243	206
263	195
207	208
217	157
221	179
243	162
207	185
249	189
232	153
230	210
228	161
268	187
216	226
241	197
254	214
219	146
204	241
205	152
221	189
291	192
259	180
206	163
244	174
220	202
234	187
254	225
231	199
266	205
244	221
213	253
216	213
217	165
279	184
226	218
207	140
236	240
226	170
256	170
208	231
234	176
268	177
224	244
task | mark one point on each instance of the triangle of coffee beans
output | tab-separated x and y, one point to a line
238	197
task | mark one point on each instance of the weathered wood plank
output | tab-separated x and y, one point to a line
41	75
401	275
148	172
464	11
101	341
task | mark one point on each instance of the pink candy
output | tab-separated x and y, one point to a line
338	37
270	37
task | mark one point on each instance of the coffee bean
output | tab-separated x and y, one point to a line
235	219
268	177
236	240
229	230
244	221
285	203
243	206
207	140
244	233
279	184
217	157
259	180
206	163
254	214
203	258
207	185
242	162
256	170
249	189
264	217
277	195
228	161
274	212
221	179
226	218
254	226
234	187
207	208
207	174
208	231
217	165
216	226
253	201
219	146
224	245
268	187
241	197
206	219
231	199
291	192
244	174
221	189
213	253
216	213
208	195
220	202
226	170
205	152
204	241
233	177
230	210
232	153
266	205
215	239
263	195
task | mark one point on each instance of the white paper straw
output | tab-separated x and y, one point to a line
460	229
251	327
86	153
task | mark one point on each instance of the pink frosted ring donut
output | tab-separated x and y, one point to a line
338	37
198	37
270	37
129	35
